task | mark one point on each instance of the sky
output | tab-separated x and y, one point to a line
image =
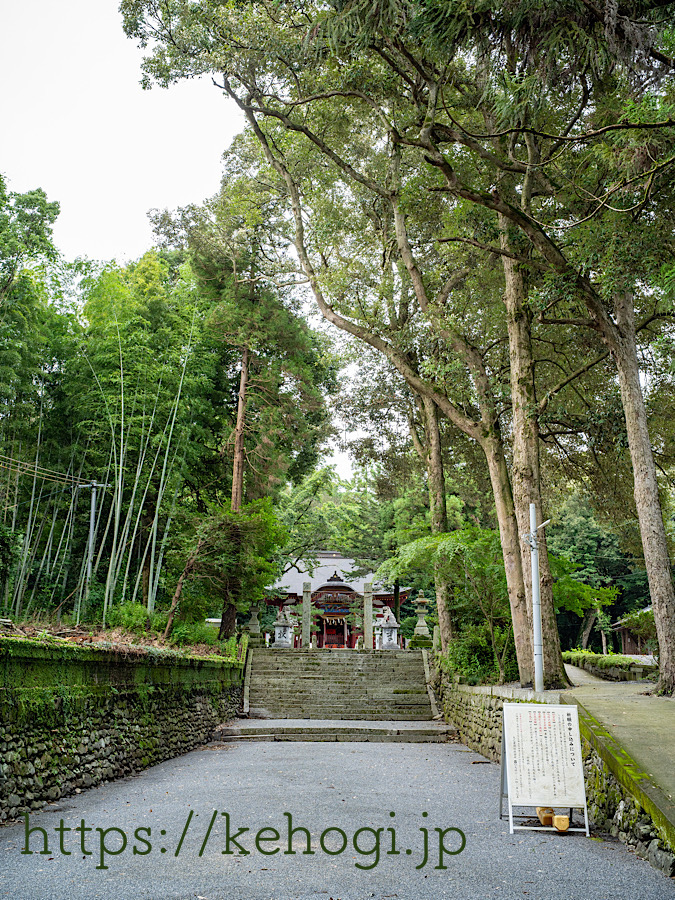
75	121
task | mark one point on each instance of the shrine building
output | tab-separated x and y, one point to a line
336	596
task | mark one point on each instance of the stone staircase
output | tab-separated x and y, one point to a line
387	685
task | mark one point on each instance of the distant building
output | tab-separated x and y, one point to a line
337	597
633	644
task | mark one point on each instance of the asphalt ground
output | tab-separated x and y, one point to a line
353	787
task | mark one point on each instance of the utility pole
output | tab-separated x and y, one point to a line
531	538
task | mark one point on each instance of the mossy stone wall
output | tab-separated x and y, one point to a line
73	717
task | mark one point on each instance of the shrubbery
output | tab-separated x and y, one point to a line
599	660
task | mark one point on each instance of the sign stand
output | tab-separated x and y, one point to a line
541	762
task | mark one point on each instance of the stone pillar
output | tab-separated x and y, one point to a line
368	616
306	615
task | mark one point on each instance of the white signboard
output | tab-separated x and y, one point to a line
541	756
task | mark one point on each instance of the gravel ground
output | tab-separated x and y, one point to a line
346	786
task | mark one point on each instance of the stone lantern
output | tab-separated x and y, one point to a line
421	636
255	638
390	629
283	631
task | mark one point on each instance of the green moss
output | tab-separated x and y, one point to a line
26	663
628	774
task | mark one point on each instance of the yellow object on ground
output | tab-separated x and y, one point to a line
545	815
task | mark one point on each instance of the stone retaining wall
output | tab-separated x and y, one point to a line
618	802
74	717
614	809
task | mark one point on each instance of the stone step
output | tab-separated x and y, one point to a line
385	708
308	712
332	652
339	684
339	690
339	700
382	671
327	658
340	664
297	712
399	699
384	705
303	712
312	681
329	730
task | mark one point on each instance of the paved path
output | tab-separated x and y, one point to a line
346	785
643	723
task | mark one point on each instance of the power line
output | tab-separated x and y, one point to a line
21	467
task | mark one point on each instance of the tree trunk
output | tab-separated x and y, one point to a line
238	462
228	621
145	580
525	466
189	566
513	564
587	627
397	600
439	513
646	492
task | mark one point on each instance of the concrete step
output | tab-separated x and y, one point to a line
331	730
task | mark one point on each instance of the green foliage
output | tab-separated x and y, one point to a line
25	232
471	561
407	624
572	594
184	633
139	390
235	555
471	656
591	569
131	616
9	552
134	617
601	661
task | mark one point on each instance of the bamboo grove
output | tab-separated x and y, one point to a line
119	404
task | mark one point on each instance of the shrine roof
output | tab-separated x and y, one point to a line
323	577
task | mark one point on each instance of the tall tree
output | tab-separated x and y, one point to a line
474	120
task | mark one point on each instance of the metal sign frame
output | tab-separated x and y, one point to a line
506	794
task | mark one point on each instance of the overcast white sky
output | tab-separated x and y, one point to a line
75	121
